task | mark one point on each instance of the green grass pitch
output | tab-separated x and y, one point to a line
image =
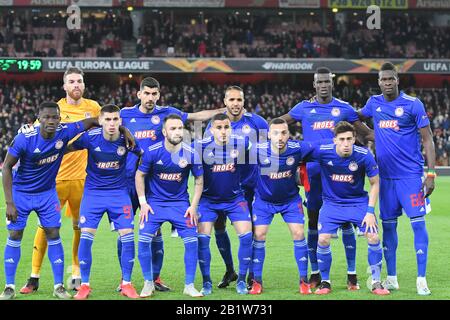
280	271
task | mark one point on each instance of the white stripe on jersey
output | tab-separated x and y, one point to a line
155	146
341	101
95	132
405	96
187	147
361	150
327	146
293	144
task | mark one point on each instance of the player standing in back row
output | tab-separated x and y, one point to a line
70	179
400	123
318	118
145	121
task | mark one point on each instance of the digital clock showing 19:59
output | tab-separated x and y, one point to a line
20	65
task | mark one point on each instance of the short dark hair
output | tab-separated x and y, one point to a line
219	117
277	121
48	105
229	88
72	70
149	82
344	126
323	70
172	116
388	66
109	108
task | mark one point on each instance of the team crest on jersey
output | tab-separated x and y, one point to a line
141	226
335	112
59	144
319	226
121	151
399	111
290	161
182	163
155	119
82	219
254	217
87	115
246	129
353	166
234	153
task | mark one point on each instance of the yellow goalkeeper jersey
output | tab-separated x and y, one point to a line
73	166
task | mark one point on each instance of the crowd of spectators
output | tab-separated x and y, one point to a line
47	35
402	36
18	103
230	35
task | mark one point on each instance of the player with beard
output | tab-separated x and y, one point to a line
70	179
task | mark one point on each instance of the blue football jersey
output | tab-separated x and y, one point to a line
106	160
222	166
276	173
397	134
318	120
39	158
146	128
343	178
254	128
168	174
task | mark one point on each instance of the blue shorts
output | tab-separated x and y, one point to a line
236	210
174	214
405	194
314	196
45	204
332	216
116	204
263	212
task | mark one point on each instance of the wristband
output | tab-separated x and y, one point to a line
431	174
142	200
370	210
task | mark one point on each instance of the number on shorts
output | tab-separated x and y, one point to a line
417	200
127	211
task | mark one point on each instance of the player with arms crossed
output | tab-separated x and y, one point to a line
145	121
318	117
277	192
400	123
167	164
105	191
223	156
343	170
254	128
33	188
70	179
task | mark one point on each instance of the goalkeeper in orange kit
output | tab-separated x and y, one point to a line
70	179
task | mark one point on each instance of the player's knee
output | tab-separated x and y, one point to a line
298	234
158	233
124	232
324	239
16	235
373	238
75	226
52	233
260	235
